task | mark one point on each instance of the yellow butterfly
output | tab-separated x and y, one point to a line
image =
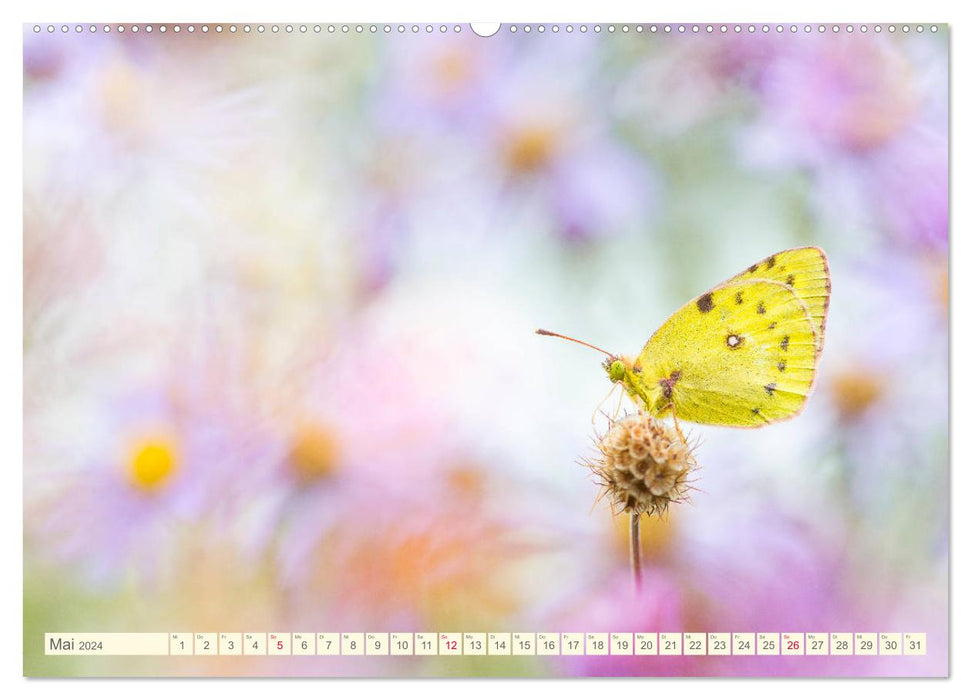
742	354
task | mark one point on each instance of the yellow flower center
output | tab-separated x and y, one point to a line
530	148
121	100
314	452
152	463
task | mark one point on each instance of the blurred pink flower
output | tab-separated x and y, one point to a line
608	604
377	509
679	83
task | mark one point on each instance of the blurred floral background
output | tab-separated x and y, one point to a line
279	369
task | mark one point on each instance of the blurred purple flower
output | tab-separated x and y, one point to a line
159	468
113	122
520	113
864	114
439	82
888	389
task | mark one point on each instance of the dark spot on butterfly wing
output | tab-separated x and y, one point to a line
770	389
667	385
760	308
705	303
791	280
772	325
785	343
738	297
753	268
781	365
734	341
770	262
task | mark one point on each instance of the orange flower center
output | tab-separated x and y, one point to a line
854	392
452	70
530	148
314	452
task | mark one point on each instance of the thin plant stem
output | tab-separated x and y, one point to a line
635	550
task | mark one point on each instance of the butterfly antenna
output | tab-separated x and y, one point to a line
540	331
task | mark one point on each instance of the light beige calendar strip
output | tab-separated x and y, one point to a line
205	643
426	644
449	644
743	644
548	643
181	644
107	644
478	644
486	644
328	644
279	644
817	644
891	644
841	644
571	644
402	643
695	644
597	644
865	643
645	644
719	644
254	644
377	643
303	643
352	644
793	644
669	643
915	644
767	644
523	643
230	644
621	643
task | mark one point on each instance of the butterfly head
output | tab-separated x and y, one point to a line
616	368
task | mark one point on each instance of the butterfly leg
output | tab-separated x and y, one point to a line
593	418
677	427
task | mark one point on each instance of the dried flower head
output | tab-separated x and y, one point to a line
643	466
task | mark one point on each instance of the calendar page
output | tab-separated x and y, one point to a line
426	350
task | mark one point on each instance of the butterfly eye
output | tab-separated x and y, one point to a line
734	340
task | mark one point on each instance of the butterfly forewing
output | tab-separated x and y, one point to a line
743	354
806	270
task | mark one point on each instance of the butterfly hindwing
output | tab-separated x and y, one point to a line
742	354
806	270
